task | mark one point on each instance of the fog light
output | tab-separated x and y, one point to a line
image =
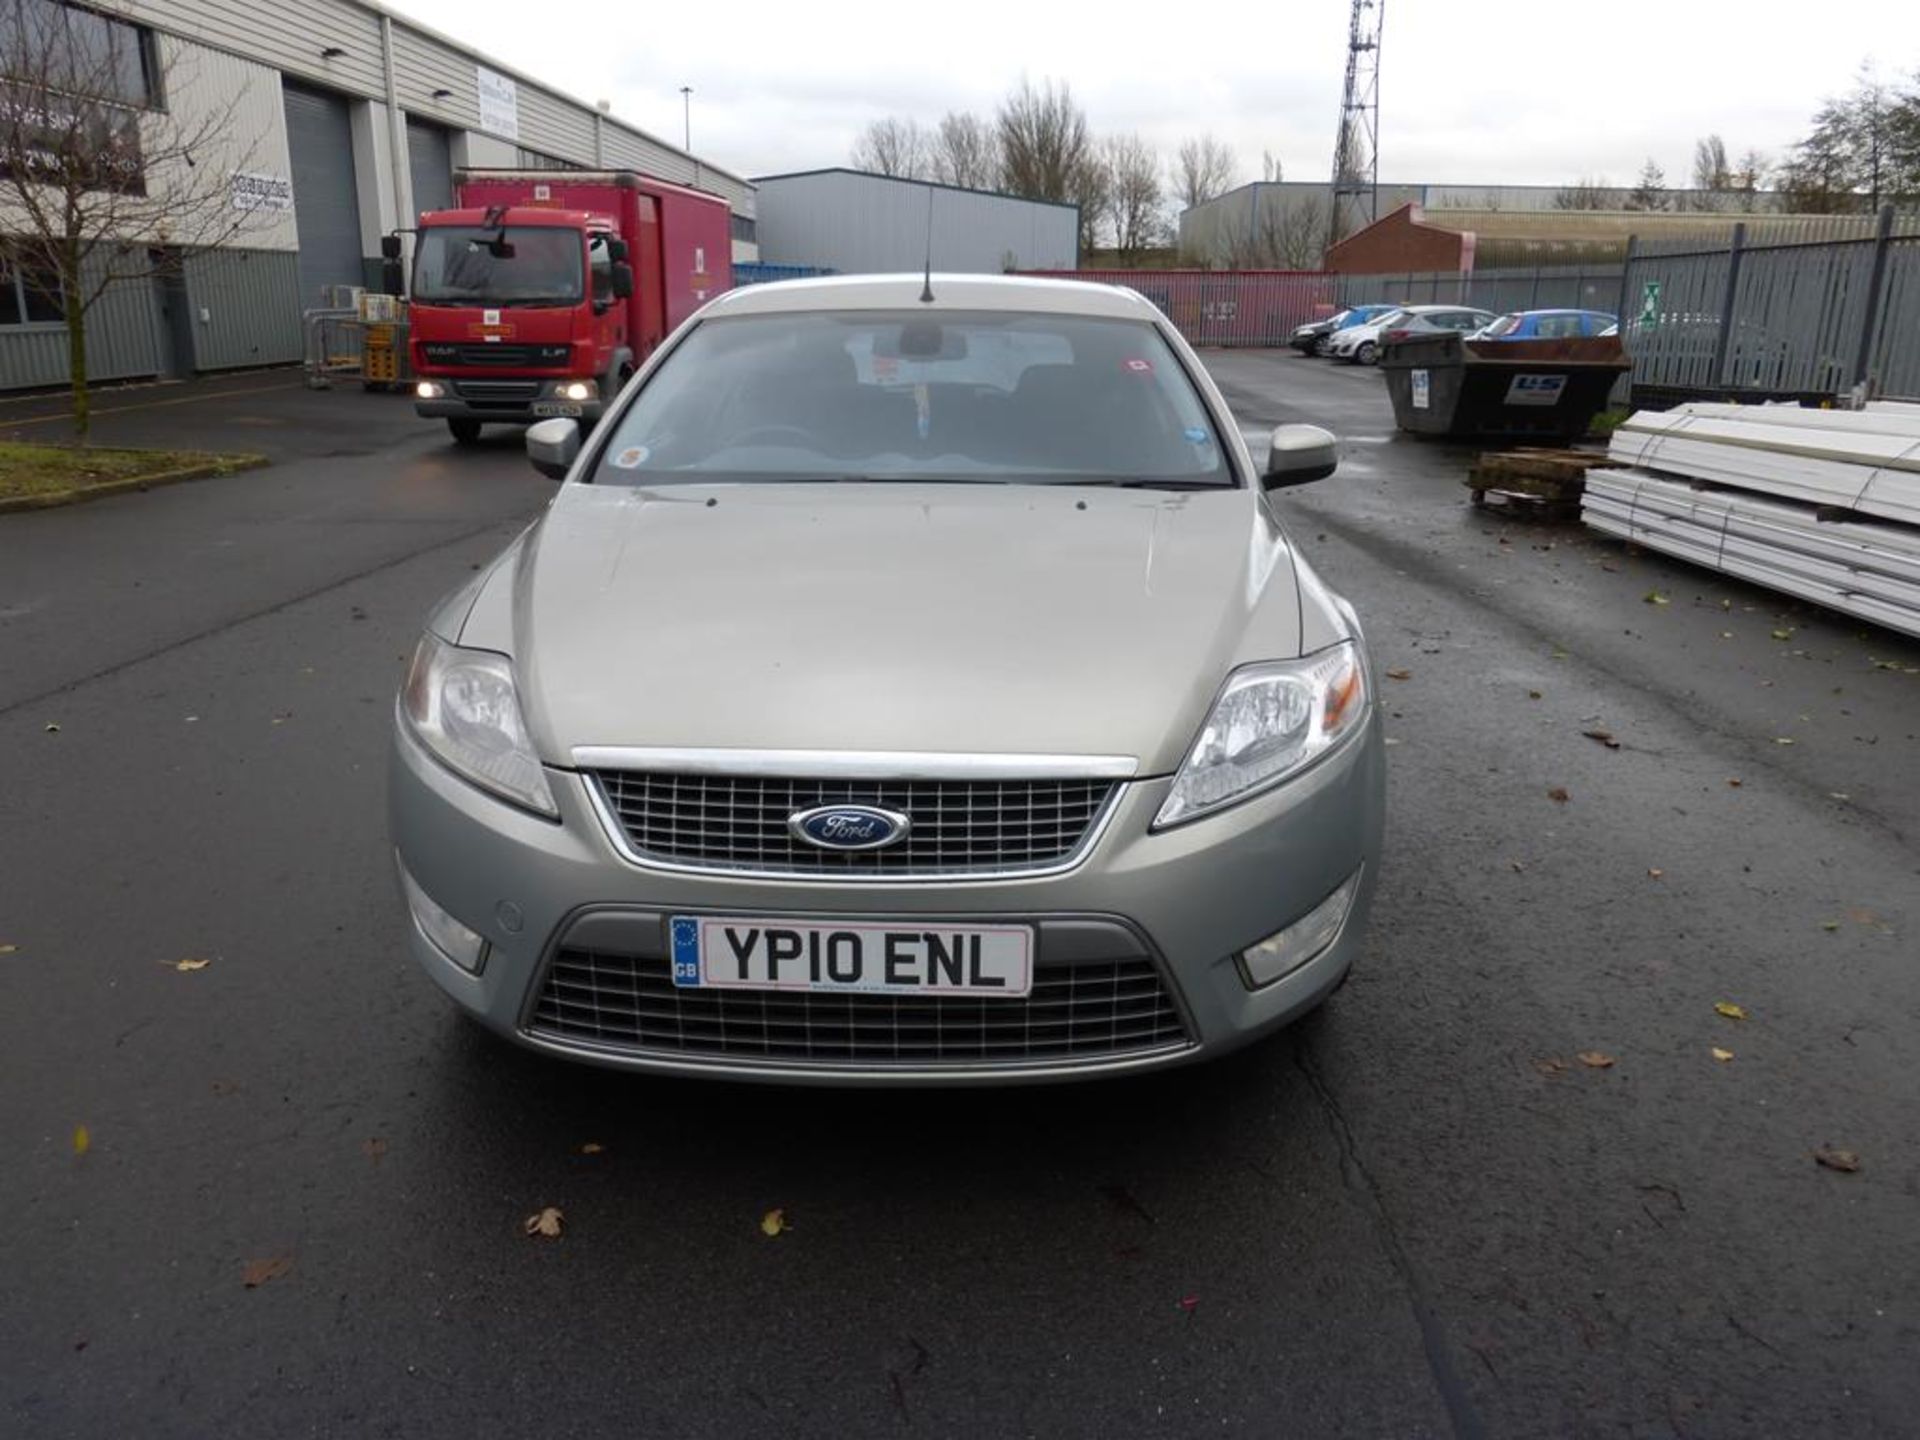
577	390
428	390
452	939
1308	937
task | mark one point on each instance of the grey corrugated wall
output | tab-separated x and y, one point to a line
868	224
121	339
252	300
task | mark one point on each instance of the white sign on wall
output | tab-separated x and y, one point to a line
261	192
499	103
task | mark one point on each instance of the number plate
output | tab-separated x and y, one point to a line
885	957
556	407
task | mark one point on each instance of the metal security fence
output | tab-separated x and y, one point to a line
1795	318
1538	287
1226	307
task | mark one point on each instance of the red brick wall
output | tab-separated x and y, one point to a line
1400	242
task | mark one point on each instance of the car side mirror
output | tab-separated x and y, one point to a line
553	446
390	247
1299	454
622	281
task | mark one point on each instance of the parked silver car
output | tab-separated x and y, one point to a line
1360	344
899	689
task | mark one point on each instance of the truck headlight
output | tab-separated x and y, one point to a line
462	705
1271	721
576	390
429	390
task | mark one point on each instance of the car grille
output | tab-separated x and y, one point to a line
959	827
1084	1010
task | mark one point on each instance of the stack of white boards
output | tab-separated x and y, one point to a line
1819	504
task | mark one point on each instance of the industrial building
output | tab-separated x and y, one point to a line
859	223
341	122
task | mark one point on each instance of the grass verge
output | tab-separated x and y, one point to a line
36	476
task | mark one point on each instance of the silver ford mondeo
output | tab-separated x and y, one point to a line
910	683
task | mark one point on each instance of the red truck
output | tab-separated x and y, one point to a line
545	290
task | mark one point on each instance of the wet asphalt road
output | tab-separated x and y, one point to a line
1417	1214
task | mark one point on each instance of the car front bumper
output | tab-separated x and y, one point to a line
1185	901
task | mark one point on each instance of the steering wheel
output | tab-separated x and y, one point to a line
773	434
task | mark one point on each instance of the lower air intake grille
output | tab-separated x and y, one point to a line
1084	1010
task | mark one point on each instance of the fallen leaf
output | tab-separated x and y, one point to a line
592	1147
188	966
52	729
1829	925
1533	694
1654	872
774	1222
1726	604
1729	1009
1605	737
548	1222
1558	794
258	1272
1519	867
1187	1302
1836	1159
1734	783
1721	1055
374	1147
1559	654
1838	795
1595	1059
1550	1066
1654	597
1783	740
1726	634
1783	634
1399	674
82	1141
8	949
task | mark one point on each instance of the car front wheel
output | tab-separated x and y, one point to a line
1367	354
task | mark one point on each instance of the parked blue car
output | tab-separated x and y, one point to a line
1548	325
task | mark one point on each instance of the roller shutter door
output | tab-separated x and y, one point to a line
430	162
320	137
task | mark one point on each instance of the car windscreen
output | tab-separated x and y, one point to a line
519	265
1505	325
911	396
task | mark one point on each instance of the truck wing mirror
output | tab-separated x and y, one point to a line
552	447
390	247
500	248
617	251
622	282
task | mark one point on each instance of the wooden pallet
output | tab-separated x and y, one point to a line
1546	482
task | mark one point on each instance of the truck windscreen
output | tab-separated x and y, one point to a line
520	265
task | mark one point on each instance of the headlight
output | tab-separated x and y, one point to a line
1270	722
463	707
429	390
576	390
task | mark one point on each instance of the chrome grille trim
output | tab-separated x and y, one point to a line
856	764
1081	1012
961	829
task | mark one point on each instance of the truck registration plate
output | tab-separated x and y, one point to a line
555	407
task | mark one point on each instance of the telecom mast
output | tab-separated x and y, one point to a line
1356	153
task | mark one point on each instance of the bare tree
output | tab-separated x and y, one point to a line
1091	188
1748	177
1205	168
101	188
1293	233
1133	193
1710	168
1271	170
966	152
1045	148
1589	192
893	146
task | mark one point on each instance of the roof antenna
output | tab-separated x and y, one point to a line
926	288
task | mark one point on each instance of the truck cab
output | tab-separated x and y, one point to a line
544	292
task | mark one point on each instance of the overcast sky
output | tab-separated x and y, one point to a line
1494	91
